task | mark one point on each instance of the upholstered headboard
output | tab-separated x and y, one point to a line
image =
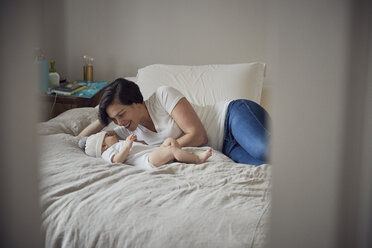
207	84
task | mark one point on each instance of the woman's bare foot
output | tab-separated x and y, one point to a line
204	155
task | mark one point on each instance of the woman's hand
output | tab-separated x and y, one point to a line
187	119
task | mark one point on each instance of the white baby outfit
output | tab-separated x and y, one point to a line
138	155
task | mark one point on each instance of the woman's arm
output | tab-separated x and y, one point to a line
92	128
187	119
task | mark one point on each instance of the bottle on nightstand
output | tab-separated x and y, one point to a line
88	68
53	76
42	70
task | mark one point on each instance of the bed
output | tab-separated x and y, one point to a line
87	202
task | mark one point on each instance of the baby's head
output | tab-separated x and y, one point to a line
96	144
93	144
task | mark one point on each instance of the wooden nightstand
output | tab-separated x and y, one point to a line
53	105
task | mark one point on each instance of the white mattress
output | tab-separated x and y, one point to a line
87	202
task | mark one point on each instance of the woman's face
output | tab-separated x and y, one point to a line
109	140
127	116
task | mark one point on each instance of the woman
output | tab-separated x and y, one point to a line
237	128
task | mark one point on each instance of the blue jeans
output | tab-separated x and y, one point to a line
246	134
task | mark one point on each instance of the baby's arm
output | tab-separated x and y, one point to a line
122	155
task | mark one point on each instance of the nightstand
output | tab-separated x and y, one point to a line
53	105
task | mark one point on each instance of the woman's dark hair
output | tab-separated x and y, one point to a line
127	92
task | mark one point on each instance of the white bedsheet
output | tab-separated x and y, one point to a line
87	202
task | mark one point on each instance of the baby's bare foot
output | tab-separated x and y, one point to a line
205	155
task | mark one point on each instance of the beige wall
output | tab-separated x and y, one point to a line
125	35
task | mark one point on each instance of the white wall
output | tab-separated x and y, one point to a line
126	35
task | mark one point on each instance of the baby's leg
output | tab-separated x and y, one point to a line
170	142
189	157
205	155
161	155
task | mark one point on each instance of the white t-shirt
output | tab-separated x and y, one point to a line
160	106
138	155
213	119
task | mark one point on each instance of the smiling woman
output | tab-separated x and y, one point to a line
125	115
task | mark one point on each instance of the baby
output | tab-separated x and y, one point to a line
109	146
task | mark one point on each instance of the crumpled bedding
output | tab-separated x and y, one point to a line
87	202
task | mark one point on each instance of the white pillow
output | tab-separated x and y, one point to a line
205	84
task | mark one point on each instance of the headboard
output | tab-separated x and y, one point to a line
207	84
